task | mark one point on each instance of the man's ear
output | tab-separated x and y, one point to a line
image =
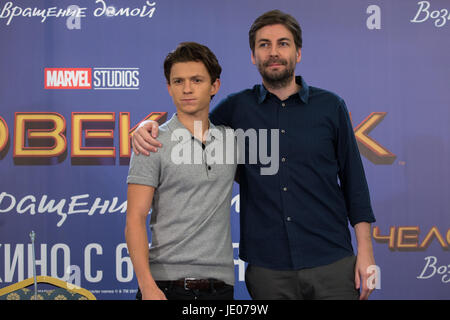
252	56
299	55
215	86
169	89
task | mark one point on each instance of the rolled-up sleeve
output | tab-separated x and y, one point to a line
144	170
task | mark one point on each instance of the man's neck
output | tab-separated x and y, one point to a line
197	124
284	92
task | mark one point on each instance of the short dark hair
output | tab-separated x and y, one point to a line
276	17
192	51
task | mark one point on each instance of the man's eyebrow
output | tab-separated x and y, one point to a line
284	39
190	77
197	76
278	40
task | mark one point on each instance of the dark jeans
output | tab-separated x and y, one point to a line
179	293
335	281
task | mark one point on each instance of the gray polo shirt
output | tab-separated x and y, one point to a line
190	217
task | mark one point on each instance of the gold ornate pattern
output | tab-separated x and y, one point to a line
63	291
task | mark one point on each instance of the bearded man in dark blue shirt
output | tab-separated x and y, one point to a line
294	224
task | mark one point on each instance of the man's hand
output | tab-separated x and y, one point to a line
153	294
363	262
364	259
143	139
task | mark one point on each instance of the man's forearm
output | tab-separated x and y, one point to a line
137	242
363	238
364	259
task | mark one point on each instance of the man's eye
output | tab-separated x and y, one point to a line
197	80
284	44
176	81
263	45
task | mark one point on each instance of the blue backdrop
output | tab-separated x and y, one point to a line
72	87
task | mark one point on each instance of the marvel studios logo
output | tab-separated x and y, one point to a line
92	78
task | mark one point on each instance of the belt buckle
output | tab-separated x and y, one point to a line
185	283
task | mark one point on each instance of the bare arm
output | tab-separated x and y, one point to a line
144	138
139	202
364	258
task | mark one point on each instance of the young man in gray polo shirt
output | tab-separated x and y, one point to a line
191	255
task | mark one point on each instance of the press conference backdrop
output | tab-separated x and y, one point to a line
64	136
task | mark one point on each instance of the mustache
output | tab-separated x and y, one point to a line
275	60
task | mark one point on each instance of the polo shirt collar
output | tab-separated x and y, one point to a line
174	123
303	94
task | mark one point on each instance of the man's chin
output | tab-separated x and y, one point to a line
191	110
277	81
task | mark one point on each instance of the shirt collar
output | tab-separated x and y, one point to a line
174	124
303	94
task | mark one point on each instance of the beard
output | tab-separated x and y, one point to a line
279	78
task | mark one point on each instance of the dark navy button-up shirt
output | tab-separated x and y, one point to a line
298	218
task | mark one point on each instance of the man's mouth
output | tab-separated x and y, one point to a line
189	101
274	64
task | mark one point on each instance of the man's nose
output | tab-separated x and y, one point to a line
274	51
187	87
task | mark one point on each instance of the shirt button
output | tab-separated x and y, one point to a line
209	167
284	189
282	131
289	219
283	104
283	159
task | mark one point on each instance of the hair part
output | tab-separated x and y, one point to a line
192	51
276	17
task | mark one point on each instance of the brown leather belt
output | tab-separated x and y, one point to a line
194	284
